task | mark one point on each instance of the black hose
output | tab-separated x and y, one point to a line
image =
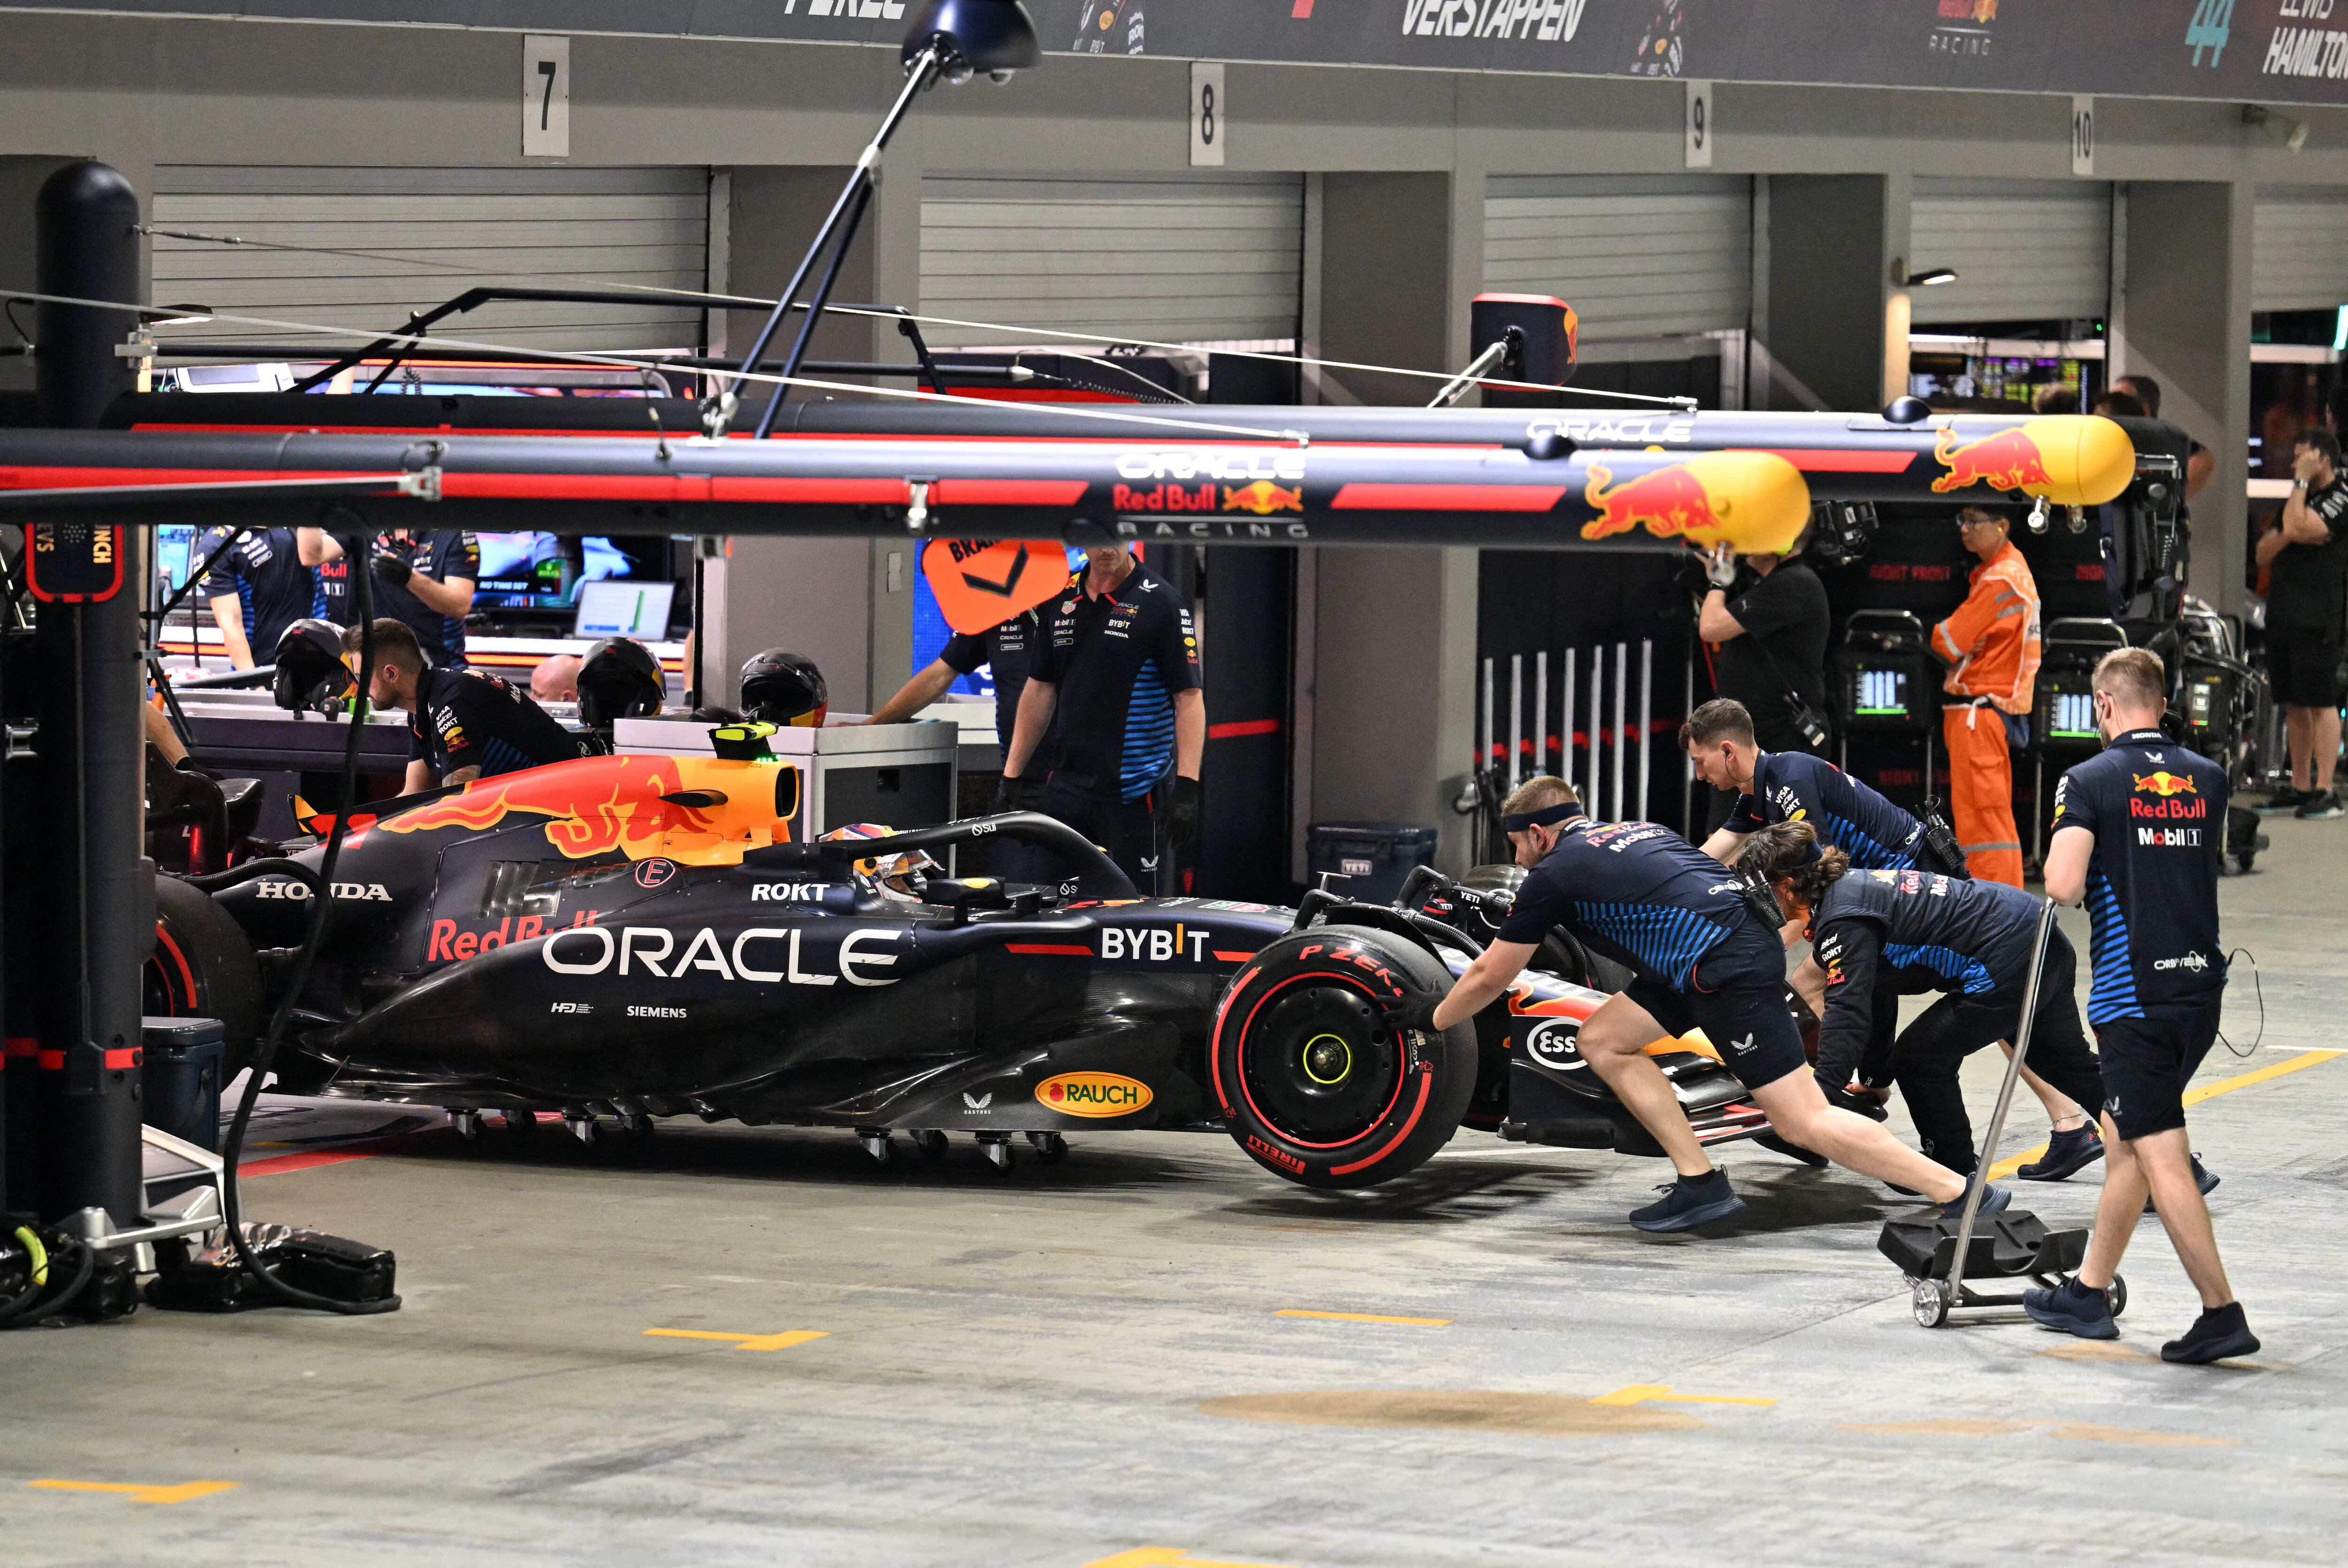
31	1309
322	884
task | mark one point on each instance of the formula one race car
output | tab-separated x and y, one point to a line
621	938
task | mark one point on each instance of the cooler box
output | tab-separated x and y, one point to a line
1367	860
182	1092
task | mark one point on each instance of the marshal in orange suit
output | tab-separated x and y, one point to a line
1990	646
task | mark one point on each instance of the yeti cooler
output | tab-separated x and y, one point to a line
1367	860
181	1092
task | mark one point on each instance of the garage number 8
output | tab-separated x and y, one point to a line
1207	115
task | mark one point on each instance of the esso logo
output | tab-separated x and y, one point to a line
1552	1043
654	873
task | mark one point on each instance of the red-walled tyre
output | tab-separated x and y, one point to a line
203	967
1314	1081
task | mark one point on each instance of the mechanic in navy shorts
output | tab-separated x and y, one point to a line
1643	896
2138	832
463	725
1795	786
1114	682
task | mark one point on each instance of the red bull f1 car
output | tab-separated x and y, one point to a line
622	938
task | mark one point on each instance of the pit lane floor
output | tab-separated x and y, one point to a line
1088	1363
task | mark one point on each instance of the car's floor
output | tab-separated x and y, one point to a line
1100	1361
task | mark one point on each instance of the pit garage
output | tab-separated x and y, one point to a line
987	778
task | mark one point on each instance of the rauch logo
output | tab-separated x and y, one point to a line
1092	1094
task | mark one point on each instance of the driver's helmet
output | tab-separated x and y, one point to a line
311	668
891	873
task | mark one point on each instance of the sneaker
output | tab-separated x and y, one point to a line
2072	1308
2320	807
1993	1202
2067	1153
2203	1178
2217	1333
1776	1146
1687	1204
2287	798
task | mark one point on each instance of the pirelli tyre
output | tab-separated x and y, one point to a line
1313	1080
203	967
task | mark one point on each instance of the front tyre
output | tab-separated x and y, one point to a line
1313	1080
204	965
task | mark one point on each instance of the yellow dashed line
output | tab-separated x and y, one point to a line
2005	1168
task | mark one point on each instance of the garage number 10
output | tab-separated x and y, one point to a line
1210	115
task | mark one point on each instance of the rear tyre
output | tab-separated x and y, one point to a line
1314	1081
203	965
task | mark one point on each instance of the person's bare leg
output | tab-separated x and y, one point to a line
2063	1113
1614	1043
1799	1112
2323	746
2168	1161
2116	1211
2298	733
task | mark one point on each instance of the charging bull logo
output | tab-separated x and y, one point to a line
597	804
2005	461
2165	783
1669	502
1264	497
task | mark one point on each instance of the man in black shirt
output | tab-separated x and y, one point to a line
261	586
1772	649
464	725
1117	663
427	580
1005	649
2308	554
2139	834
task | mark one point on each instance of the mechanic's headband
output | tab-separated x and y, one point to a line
1547	816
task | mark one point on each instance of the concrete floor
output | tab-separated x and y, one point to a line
1086	1365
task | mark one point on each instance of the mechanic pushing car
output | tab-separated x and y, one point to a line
463	725
426	580
2138	834
1990	646
1977	938
266	582
1794	786
1118	665
1643	896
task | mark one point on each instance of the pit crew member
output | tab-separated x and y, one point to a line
265	583
1006	650
463	725
2138	832
1990	646
1643	896
1117	663
2307	551
1772	641
427	580
1976	937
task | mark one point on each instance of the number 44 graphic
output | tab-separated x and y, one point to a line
545	96
2213	25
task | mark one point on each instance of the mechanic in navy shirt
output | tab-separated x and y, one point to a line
2138	832
427	582
463	725
1005	649
1975	938
1645	896
1117	663
264	584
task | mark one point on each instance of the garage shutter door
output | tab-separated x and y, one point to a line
1635	256
432	233
2298	252
1180	259
2024	250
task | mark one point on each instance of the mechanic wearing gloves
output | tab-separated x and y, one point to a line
426	580
1978	938
1793	786
1117	664
464	725
1990	646
1644	896
1772	641
264	584
2138	832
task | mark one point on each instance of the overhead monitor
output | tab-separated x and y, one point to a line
620	608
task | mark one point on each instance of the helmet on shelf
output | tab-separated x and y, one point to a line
619	679
783	688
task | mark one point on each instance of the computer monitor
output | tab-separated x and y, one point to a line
614	608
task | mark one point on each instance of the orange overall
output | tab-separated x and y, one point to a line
1990	645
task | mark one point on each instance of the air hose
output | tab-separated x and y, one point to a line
37	1301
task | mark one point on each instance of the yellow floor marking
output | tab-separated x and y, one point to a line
783	1341
2080	1431
1661	1393
1365	1317
2110	1350
1162	1557
2005	1168
2075	1432
186	1491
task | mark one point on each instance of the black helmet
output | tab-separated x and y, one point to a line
310	668
783	688
619	679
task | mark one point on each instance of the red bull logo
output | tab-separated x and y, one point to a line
2165	783
2005	461
1264	497
1668	502
597	804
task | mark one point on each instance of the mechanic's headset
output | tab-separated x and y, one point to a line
619	679
780	687
310	668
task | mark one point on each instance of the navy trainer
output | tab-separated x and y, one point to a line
2072	1308
1688	1203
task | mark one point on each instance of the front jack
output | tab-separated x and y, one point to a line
875	1143
996	1146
